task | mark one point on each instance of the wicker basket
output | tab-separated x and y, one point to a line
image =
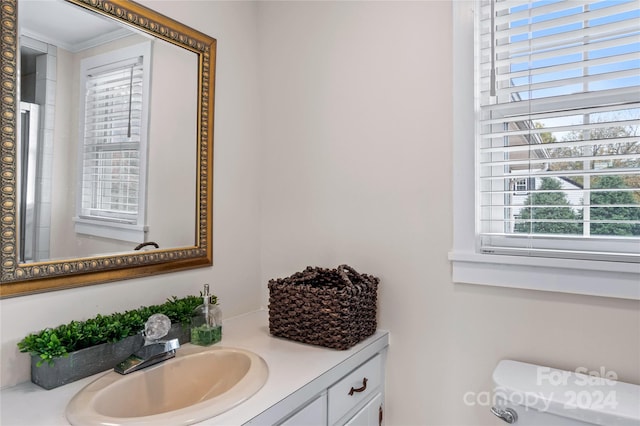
335	308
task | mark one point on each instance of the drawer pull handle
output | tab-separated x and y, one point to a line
360	389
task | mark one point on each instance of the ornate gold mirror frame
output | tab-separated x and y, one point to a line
26	278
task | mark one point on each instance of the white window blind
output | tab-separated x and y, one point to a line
112	140
559	93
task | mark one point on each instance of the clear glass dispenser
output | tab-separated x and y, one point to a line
206	323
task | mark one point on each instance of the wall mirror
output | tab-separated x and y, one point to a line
106	144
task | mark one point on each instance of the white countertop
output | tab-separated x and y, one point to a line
297	372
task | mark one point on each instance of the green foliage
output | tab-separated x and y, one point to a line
620	151
51	343
606	142
46	344
617	200
552	208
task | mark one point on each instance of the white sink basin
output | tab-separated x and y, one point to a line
195	385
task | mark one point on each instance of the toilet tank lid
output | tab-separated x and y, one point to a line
576	395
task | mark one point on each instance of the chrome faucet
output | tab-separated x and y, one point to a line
153	350
148	355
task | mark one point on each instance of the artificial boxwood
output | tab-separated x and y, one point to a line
51	343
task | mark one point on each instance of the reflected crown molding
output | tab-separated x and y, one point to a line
77	47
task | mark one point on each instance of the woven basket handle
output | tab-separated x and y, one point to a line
342	271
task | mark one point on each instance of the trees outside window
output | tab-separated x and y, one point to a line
548	212
614	205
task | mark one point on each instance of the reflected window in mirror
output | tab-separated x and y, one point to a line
114	110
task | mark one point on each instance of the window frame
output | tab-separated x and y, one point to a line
105	228
471	266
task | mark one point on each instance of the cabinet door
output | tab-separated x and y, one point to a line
369	415
314	414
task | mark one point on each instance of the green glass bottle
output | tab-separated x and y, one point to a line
206	323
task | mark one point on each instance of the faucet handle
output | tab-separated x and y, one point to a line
156	327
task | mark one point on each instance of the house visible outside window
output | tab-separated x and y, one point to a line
521	185
113	150
557	143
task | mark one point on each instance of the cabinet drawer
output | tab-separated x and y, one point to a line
355	388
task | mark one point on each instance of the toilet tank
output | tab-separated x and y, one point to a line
534	395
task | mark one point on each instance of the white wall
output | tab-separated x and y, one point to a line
235	274
357	123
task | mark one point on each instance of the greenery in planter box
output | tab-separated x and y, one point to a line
51	343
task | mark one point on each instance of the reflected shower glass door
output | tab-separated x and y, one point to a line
28	150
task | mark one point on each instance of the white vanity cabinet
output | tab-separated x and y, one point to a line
307	385
355	398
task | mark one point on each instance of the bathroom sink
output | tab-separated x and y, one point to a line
195	385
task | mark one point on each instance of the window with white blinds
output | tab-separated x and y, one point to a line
558	143
113	149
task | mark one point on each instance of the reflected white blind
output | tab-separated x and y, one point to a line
558	149
112	137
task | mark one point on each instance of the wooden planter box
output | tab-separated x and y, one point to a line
89	361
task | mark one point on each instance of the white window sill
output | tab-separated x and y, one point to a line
596	278
112	230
